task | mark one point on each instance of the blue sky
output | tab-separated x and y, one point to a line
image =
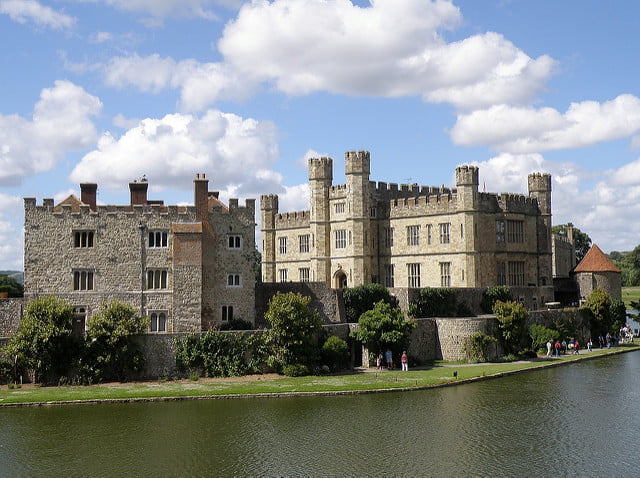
106	91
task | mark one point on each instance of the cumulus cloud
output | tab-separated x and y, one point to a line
200	83
387	49
234	152
11	215
527	129
31	11
61	123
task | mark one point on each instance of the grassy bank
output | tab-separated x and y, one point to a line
440	374
630	294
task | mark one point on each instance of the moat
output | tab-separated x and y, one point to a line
574	420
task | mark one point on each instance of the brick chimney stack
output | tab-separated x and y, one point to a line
88	194
138	190
201	196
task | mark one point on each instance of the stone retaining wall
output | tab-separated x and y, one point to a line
11	311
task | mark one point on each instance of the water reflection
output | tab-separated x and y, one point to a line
567	420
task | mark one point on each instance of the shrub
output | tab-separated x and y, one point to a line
219	354
335	353
45	342
478	347
111	352
434	302
294	332
237	324
540	335
493	294
358	300
295	370
512	318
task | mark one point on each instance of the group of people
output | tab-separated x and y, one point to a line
388	360
563	347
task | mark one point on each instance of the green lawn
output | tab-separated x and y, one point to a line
630	294
353	382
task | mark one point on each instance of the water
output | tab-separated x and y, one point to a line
575	420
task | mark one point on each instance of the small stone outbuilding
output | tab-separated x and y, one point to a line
596	270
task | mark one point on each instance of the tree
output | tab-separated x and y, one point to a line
383	326
599	303
358	300
491	295
45	342
294	332
335	353
629	264
434	302
581	240
11	285
512	318
111	352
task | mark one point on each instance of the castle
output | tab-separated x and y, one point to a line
189	268
410	236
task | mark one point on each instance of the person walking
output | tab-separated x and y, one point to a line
549	344
405	362
557	346
589	345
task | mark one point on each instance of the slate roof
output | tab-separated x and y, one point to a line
596	261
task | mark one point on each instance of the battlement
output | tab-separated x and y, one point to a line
320	169
357	163
467	175
517	203
539	182
289	220
269	202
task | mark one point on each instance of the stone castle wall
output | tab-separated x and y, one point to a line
11	312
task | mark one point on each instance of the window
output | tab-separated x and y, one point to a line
500	237
282	243
341	239
429	233
388	237
233	280
413	235
83	239
502	273
158	321
303	274
339	208
389	275
304	242
413	273
227	313
234	241
282	275
82	280
445	228
516	273
156	279
515	231
158	238
445	274
372	212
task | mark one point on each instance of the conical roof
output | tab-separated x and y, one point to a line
596	261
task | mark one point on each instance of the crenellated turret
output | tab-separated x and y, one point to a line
467	182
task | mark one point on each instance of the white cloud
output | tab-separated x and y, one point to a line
201	84
61	123
23	11
627	175
387	49
234	152
303	162
11	247
525	130
159	9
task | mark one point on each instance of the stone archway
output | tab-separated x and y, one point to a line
339	279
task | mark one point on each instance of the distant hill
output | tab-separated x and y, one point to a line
17	275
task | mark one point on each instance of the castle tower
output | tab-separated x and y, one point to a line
357	170
467	183
320	180
269	210
540	189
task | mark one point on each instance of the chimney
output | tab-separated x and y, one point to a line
201	196
138	192
88	194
